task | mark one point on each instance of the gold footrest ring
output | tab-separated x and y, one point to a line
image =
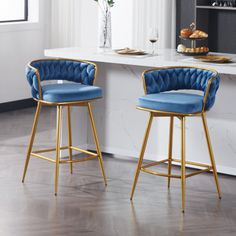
207	168
90	155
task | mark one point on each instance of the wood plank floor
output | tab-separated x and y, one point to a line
85	207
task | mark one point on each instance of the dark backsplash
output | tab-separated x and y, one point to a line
219	23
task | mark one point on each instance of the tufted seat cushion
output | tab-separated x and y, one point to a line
172	102
70	92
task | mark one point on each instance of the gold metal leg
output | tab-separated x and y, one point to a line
97	142
142	154
170	148
69	137
33	132
183	180
211	153
58	140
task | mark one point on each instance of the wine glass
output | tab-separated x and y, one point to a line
153	37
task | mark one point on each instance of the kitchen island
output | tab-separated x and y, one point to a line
121	127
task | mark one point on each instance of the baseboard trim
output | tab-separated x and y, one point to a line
17	105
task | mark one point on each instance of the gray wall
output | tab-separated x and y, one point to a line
185	16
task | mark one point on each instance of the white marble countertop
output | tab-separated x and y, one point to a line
121	126
166	57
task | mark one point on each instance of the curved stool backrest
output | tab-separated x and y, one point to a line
177	78
59	69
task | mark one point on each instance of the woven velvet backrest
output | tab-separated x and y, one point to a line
178	78
61	69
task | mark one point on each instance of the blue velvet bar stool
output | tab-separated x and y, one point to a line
79	90
162	99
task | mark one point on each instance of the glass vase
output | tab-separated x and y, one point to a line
104	29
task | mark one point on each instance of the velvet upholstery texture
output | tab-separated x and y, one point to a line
70	92
82	74
174	102
158	82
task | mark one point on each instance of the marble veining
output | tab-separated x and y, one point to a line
165	57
